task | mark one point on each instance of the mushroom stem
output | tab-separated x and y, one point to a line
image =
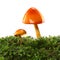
37	31
20	40
20	37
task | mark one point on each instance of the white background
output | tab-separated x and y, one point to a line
12	12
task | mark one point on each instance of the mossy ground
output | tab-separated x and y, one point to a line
43	48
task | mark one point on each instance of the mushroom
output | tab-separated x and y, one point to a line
33	16
19	32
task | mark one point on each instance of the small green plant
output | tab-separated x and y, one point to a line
43	48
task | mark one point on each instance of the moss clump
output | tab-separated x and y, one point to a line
43	48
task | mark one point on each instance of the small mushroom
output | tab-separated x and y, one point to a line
19	32
33	16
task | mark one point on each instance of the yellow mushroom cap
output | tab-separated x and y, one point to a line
20	32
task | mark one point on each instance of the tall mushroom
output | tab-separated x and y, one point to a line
33	16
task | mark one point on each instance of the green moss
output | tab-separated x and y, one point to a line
44	48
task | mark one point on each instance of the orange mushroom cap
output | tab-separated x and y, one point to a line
32	16
20	32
